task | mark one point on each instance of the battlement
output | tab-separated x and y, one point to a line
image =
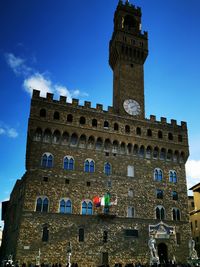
130	7
99	108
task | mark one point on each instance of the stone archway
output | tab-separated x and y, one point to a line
163	253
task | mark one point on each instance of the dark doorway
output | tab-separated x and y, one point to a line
104	258
163	253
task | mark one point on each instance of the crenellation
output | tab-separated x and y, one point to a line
63	99
184	124
110	109
152	118
49	97
173	122
87	104
36	94
163	120
75	102
99	107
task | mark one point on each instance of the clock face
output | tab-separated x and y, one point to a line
132	107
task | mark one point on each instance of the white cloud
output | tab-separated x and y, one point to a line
17	64
35	80
8	131
62	90
39	82
193	172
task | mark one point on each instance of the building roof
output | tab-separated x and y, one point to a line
195	187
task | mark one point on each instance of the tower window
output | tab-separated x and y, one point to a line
130	212
149	132
138	131
107	168
69	118
127	129
87	207
66	206
174	195
170	136
42	204
160	135
82	120
43	113
68	163
47	160
116	126
105	236
94	123
172	176
88	183
176	214
130	171
106	124
56	115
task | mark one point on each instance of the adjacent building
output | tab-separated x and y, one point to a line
102	182
194	211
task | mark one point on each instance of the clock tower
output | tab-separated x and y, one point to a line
127	53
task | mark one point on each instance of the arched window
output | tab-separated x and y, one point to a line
47	160
158	175
56	115
42	204
141	152
43	113
68	163
148	152
170	136
87	207
135	150
45	234
74	139
107	145
174	195
65	138
162	154
82	120
127	129
94	123
115	146
99	143
106	124
47	136
130	171
138	131
82	141
91	142
56	137
89	165
66	206
149	132
160	213
172	176
116	127
122	148
160	135
69	118
38	134
176	214
107	168
155	152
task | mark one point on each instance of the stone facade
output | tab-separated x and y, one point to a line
146	180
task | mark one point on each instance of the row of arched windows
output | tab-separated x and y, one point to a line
158	175
68	163
109	146
65	206
115	126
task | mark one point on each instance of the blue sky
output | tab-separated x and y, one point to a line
62	47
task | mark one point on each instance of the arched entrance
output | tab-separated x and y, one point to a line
163	253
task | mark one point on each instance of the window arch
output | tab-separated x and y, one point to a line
74	139
107	168
129	148
47	160
56	115
65	138
170	136
148	152
174	195
163	154
99	143
122	148
87	207
160	212
115	146
172	176
82	141
42	204
158	175
91	142
107	145
176	214
89	165
65	206
68	163
45	234
43	113
141	151
155	152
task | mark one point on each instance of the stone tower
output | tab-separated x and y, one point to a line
128	52
78	155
